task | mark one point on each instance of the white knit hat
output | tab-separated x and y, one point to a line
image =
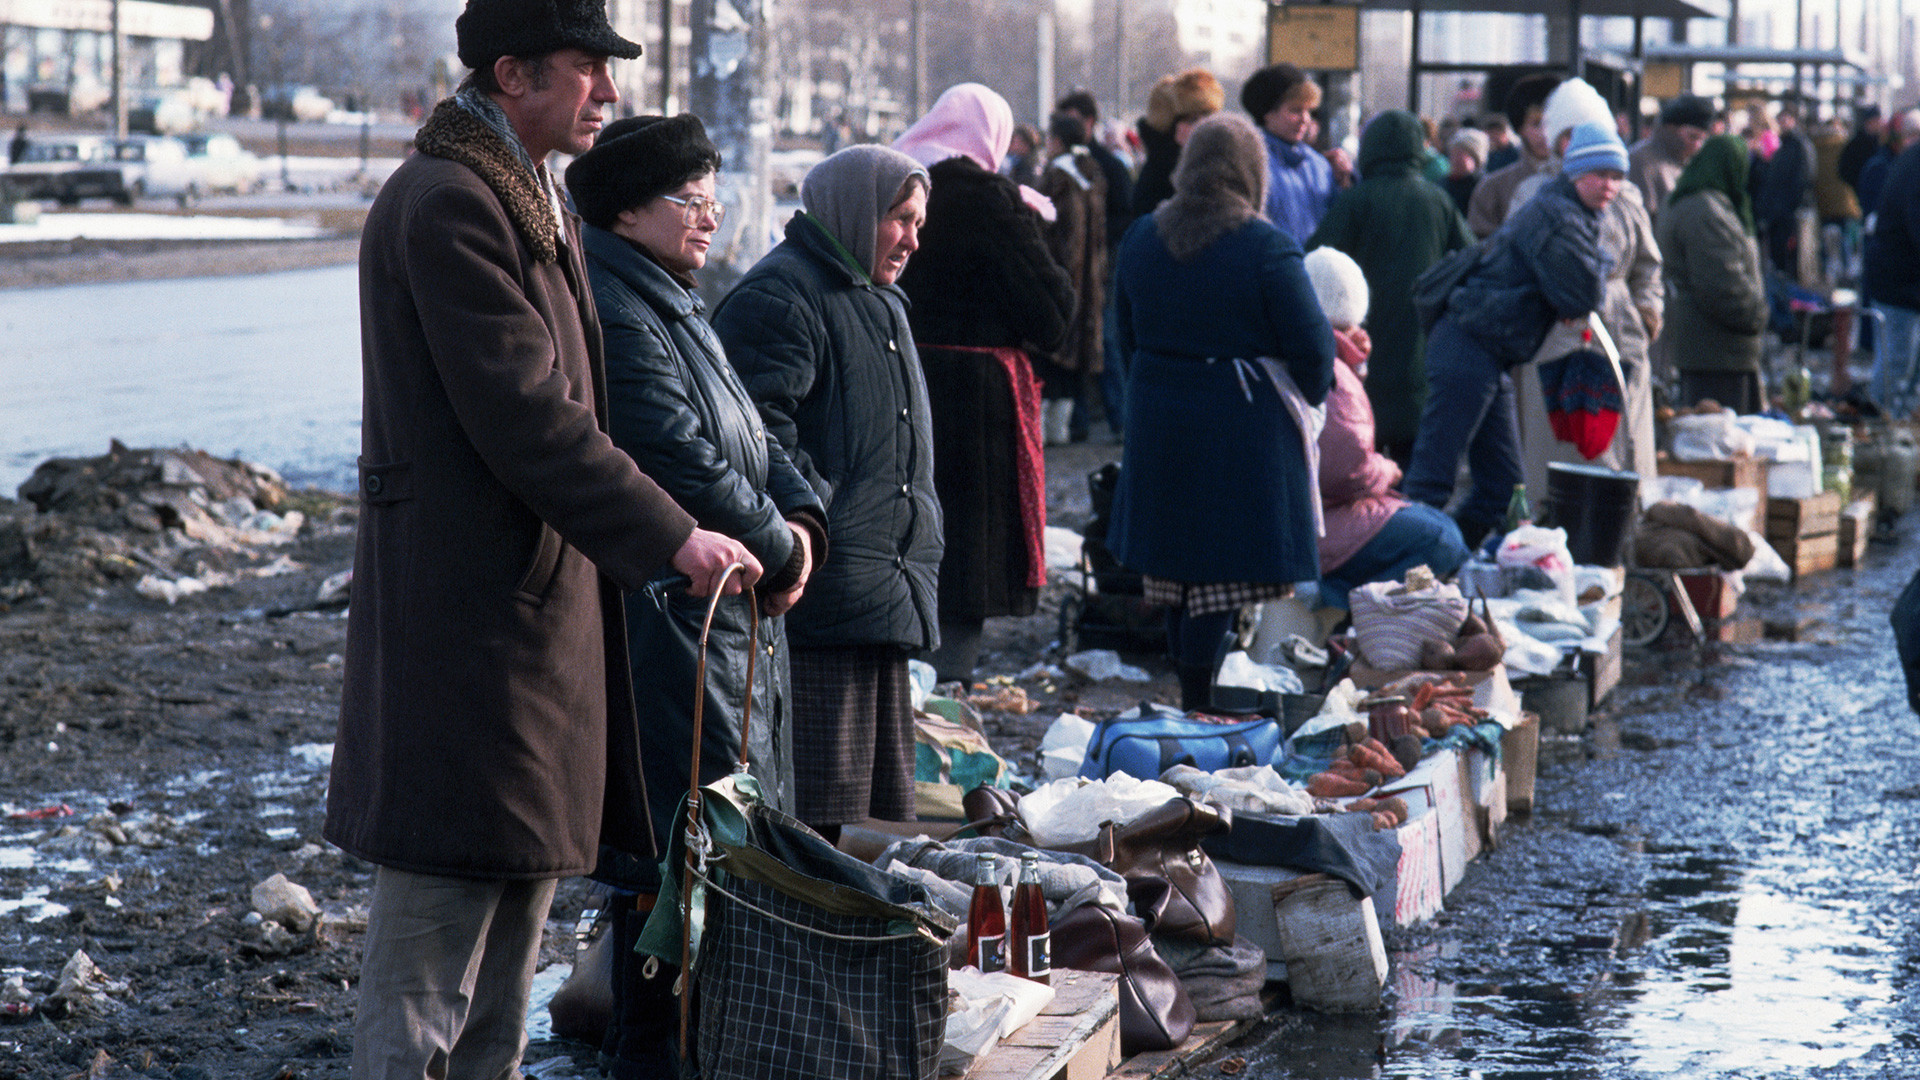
1340	285
1571	104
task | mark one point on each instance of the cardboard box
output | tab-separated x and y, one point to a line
1491	689
1433	786
1738	472
1485	783
1791	518
1856	524
1809	554
1519	760
1418	894
1604	667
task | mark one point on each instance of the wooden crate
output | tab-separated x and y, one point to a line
1519	759
1076	1037
1791	518
1856	524
1733	473
1809	554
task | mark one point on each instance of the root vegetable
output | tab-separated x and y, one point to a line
1406	750
1436	655
1481	652
1327	785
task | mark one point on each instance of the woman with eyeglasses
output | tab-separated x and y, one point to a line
645	194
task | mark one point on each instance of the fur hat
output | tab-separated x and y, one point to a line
1266	89
1196	95
1594	146
635	160
1689	110
1340	285
1473	141
1571	104
490	29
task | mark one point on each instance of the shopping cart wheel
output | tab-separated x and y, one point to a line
1643	610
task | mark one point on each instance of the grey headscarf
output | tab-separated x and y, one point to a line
850	191
1219	185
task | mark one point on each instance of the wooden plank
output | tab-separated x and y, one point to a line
1076	1037
1206	1040
1787	518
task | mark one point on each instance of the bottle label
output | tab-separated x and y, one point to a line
1039	958
990	952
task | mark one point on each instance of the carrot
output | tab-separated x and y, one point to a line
1329	785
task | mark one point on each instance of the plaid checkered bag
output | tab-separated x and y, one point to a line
805	962
808	962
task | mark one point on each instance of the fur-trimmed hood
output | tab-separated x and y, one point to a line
1219	185
459	136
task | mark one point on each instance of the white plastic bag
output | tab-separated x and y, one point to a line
1239	669
1710	437
990	1007
1072	810
1064	746
1542	549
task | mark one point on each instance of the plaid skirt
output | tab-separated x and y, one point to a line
1205	598
852	714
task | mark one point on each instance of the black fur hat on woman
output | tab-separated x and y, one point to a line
636	160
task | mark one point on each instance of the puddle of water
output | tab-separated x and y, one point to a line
1759	973
282	832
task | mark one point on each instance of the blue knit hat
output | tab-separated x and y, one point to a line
1594	146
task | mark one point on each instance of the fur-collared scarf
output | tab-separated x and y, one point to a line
1219	185
457	135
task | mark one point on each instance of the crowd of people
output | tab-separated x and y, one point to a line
567	450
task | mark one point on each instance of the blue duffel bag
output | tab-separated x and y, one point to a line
1149	740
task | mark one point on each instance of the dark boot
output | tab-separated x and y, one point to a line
1196	686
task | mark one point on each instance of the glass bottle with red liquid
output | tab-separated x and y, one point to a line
986	918
1029	945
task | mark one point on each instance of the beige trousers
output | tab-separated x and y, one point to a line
444	982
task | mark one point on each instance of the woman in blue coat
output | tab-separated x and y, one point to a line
1216	505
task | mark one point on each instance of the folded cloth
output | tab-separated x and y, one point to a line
1066	880
1344	845
1223	981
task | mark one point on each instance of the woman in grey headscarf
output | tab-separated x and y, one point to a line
1216	504
818	332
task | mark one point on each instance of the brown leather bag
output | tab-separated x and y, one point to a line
1174	886
1155	1012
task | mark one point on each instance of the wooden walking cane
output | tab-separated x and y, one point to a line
693	792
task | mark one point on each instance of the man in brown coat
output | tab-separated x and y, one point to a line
487	743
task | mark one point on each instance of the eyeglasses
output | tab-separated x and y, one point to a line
698	207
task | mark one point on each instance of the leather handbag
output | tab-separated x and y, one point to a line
1175	887
1155	1011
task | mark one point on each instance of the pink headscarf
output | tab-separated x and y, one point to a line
970	121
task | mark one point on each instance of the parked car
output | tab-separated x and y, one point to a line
67	169
153	166
216	162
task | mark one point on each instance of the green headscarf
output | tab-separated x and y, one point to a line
1721	165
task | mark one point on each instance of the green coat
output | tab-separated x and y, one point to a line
1719	305
1395	223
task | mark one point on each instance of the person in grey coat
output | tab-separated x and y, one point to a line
818	332
645	193
1719	308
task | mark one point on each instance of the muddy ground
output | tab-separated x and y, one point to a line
157	761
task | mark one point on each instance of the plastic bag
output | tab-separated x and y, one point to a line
1710	437
990	1007
1064	746
1072	810
1542	549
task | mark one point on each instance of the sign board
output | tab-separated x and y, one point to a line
1314	37
1662	80
138	18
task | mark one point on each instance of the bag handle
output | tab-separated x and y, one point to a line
693	793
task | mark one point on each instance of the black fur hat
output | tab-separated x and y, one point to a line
490	29
636	159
